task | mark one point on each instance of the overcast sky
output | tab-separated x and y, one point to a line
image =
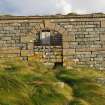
48	7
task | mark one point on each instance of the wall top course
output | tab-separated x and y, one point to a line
94	15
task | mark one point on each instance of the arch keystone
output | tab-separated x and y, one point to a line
49	25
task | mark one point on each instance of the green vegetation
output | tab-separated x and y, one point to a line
32	83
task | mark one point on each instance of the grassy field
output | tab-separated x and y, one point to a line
32	83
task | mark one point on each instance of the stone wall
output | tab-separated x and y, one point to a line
13	41
18	37
83	39
85	42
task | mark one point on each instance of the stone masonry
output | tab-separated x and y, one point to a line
82	39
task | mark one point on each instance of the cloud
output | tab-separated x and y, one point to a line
34	7
88	6
44	7
64	6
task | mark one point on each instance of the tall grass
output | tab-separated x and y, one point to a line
32	83
28	83
86	90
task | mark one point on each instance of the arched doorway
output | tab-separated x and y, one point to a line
49	44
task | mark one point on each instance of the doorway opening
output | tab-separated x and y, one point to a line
58	65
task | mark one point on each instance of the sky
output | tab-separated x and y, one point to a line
50	7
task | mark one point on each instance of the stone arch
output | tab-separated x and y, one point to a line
46	25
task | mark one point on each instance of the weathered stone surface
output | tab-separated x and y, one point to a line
27	53
82	39
68	52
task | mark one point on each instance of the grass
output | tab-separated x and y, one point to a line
32	83
86	90
23	83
